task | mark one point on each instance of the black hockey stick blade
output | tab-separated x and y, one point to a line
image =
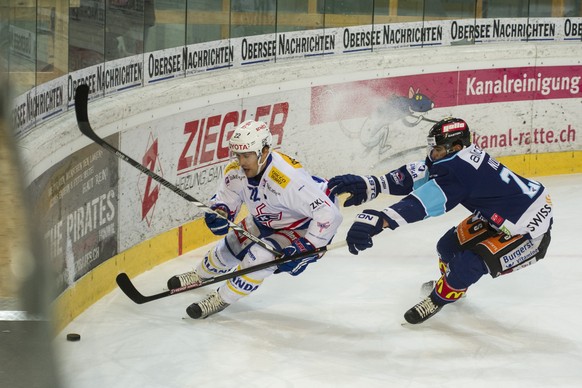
81	102
125	284
81	110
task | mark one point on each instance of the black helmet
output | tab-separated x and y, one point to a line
448	132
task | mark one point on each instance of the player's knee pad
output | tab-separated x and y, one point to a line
253	254
256	255
241	286
465	269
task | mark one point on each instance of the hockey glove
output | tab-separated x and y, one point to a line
295	267
216	224
368	224
362	188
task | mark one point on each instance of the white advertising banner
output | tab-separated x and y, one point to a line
163	65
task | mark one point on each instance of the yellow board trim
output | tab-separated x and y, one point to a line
134	261
554	163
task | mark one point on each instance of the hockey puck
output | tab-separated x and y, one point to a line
73	337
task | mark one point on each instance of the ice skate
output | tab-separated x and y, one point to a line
422	311
211	305
185	279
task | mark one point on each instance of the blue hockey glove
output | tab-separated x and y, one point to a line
362	188
368	224
295	267
216	224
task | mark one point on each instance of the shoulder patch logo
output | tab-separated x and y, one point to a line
279	178
293	162
234	165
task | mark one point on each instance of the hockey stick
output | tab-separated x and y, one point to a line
125	284
81	102
419	118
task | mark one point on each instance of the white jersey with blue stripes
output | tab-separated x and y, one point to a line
283	196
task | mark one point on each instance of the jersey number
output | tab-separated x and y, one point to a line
530	189
254	194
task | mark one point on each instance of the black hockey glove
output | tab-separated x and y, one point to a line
295	267
368	224
216	224
362	188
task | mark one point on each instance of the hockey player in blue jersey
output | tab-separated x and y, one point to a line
509	227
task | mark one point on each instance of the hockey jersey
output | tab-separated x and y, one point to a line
472	178
283	196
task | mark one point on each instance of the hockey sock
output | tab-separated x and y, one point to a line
238	287
443	293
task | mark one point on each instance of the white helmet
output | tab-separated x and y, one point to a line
250	136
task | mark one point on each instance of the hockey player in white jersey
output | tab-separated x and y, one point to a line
509	227
288	209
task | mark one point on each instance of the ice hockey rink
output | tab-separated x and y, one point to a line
339	324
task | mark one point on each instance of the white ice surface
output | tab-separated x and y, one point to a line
339	323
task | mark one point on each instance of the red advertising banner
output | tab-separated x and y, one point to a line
361	98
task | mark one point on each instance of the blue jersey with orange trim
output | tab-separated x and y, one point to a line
475	180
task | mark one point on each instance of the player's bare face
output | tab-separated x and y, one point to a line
249	162
437	153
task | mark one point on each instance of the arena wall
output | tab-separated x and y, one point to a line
364	113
